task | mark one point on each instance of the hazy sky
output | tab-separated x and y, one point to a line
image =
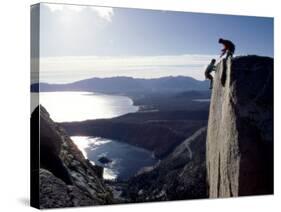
80	42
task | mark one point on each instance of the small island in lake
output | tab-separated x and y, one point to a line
104	160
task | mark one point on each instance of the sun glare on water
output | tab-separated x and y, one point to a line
85	144
80	106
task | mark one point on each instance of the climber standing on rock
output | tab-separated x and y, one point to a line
211	67
229	48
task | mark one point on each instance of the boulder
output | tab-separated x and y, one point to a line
239	153
66	178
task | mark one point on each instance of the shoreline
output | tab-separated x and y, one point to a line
141	108
111	172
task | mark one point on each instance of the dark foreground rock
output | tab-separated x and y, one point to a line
66	177
56	193
240	128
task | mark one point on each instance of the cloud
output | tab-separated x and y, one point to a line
106	13
69	69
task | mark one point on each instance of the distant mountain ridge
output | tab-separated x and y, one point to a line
126	84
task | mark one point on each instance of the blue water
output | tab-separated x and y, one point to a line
127	160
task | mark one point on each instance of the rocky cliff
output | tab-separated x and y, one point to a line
181	175
66	178
239	151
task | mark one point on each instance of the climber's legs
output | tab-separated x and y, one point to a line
210	77
230	52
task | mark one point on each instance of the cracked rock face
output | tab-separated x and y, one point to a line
239	155
56	193
66	177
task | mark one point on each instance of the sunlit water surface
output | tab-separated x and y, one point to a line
79	106
127	160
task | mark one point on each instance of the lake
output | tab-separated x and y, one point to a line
127	159
80	106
